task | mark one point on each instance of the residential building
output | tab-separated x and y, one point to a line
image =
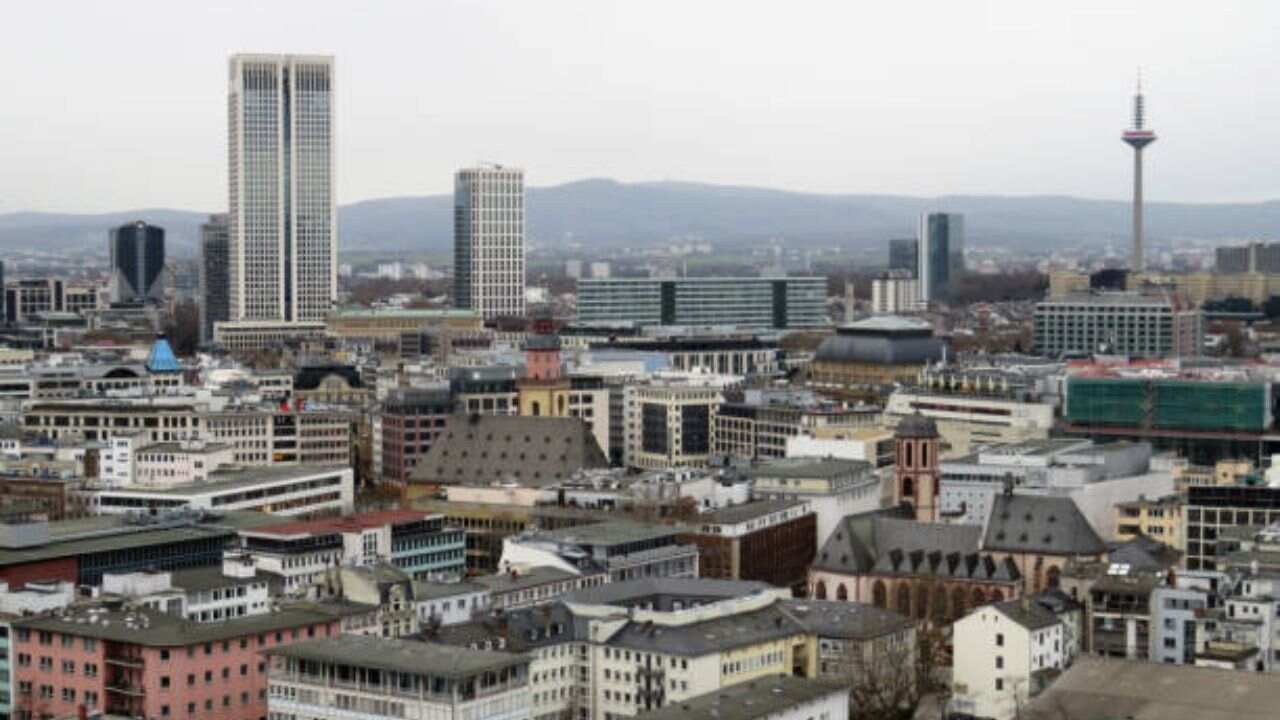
833	489
215	274
780	303
418	543
137	662
624	550
534	585
448	603
1158	518
282	219
333	678
206	594
1006	653
940	254
488	241
772	541
1152	323
892	295
137	263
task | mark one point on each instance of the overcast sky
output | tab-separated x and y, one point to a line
122	105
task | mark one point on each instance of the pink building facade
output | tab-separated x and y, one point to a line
146	664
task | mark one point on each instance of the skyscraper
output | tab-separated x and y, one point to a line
281	228
137	263
904	254
1138	137
941	253
488	240
215	281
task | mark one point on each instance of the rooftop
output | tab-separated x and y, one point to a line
612	532
839	619
807	468
1096	688
144	626
406	656
747	511
508	582
755	700
706	589
233	479
1030	616
332	525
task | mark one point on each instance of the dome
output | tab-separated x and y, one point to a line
916	426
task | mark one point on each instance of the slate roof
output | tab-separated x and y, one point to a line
1030	616
769	697
1143	554
880	543
881	341
846	620
488	449
520	630
628	592
714	635
916	426
1040	524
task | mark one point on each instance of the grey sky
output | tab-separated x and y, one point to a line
121	105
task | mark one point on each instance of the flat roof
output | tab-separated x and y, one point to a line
87	536
1098	688
406	656
807	468
222	481
149	627
610	532
349	523
505	582
747	511
753	700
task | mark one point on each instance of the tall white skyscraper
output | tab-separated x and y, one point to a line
282	224
488	240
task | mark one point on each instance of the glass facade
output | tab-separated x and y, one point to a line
778	303
137	259
940	253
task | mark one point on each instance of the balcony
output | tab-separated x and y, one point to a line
124	659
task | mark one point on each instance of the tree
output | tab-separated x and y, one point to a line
894	677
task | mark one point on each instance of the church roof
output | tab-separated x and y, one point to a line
1041	525
161	358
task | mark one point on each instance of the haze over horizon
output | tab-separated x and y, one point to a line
925	99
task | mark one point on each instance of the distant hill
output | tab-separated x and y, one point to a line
606	213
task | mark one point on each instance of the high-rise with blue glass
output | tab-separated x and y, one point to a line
940	253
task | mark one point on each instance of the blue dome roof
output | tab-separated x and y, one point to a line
162	359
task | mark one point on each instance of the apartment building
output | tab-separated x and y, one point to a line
1006	653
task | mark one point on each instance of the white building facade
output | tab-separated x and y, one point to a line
488	240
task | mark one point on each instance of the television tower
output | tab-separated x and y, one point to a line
1138	137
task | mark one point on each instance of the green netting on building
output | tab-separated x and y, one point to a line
1209	405
1099	401
1169	404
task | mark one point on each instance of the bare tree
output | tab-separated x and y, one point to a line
890	680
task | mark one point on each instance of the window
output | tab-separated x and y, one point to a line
999	662
999	639
164	682
999	684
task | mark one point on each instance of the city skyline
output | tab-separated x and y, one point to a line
637	98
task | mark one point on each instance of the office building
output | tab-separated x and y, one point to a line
1152	323
831	488
668	422
488	240
215	278
303	491
749	302
620	549
282	220
941	254
904	255
771	541
137	263
411	421
1254	257
354	676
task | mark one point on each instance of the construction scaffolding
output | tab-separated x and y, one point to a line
1174	404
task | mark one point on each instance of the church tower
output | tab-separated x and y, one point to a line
916	478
